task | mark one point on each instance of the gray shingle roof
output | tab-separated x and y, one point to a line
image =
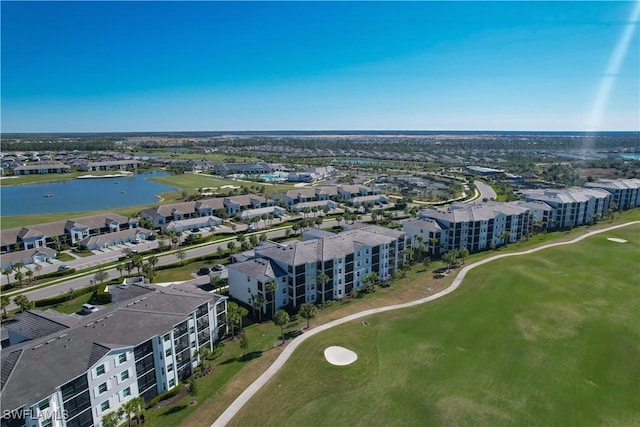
49	362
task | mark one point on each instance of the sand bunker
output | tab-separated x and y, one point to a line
229	186
615	239
339	355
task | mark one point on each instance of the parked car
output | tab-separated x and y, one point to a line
218	267
204	271
152	237
251	228
88	309
63	267
195	230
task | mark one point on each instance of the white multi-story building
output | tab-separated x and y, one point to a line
472	226
141	347
324	266
625	193
572	206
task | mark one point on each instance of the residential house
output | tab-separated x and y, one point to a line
42	168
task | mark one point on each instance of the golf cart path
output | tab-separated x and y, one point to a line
244	397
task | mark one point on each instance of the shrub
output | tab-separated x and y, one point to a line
166	395
59	299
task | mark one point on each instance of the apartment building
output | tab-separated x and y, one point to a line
163	215
78	373
342	260
572	206
472	226
71	232
625	193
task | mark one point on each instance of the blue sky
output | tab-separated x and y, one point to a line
161	66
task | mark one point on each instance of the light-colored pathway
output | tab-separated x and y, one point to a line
244	397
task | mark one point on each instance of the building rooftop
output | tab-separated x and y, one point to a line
33	370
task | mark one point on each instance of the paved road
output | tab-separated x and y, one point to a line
115	253
486	192
244	397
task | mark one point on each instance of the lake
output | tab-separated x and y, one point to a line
80	195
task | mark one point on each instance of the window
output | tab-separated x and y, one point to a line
43	405
124	375
100	370
191	330
170	367
172	382
167	337
126	392
104	405
122	358
193	344
102	388
167	352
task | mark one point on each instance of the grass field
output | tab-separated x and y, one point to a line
190	183
545	339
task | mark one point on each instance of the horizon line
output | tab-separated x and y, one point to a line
337	131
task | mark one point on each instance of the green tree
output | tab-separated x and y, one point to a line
463	253
23	302
7	272
281	318
181	254
233	316
137	262
450	257
4	302
272	287
308	312
322	279
100	276
258	301
370	281
120	267
244	342
112	419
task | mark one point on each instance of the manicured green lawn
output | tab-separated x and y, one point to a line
548	339
192	182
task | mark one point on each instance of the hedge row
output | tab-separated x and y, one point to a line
166	395
65	297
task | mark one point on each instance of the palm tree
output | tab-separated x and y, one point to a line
137	262
281	318
258	302
138	408
322	279
450	257
233	316
318	221
462	253
30	275
129	408
120	268
308	311
112	419
272	287
17	267
231	246
7	272
23	302
370	281
4	302
153	260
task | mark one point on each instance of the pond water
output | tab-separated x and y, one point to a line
79	195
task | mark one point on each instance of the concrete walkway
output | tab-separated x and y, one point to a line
244	397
